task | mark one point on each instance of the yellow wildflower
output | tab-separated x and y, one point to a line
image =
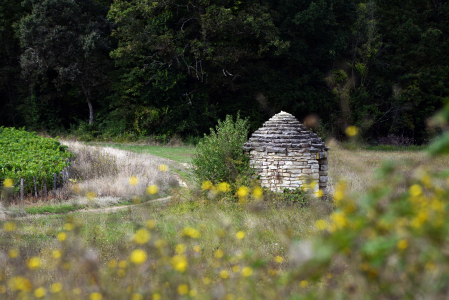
240	235
163	168
402	244
39	292
318	194
219	253
206	281
224	187
279	259
138	256
8	183
415	190
137	296
142	236
179	263
183	289
207	185
197	248
33	263
56	287
193	233
304	283
150	224
9	226
13	253
247	271
339	219
19	284
56	253
257	192
133	180
152	189
180	248
62	236
224	274
193	293
242	192
321	224
351	130
95	296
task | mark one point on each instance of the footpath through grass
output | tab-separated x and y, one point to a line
178	154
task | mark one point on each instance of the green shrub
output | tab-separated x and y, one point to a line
219	156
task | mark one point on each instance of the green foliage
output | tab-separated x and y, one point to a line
219	156
26	155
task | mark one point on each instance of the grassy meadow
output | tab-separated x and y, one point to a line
194	246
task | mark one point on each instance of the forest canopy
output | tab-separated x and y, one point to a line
176	67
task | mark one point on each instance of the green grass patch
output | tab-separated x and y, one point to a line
52	209
178	154
386	148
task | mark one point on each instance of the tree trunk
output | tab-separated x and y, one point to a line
89	103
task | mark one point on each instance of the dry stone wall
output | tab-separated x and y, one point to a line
286	154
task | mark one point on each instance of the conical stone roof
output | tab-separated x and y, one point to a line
284	132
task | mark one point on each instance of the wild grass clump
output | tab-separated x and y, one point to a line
106	172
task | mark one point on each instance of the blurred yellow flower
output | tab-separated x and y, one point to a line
189	231
351	130
77	291
39	292
224	274
179	263
235	269
33	263
224	187
318	194
206	280
95	296
8	183
62	236
242	192
321	224
240	235
197	248
160	243
13	253
152	189
207	185
68	226
163	168
247	271
303	283
156	296
112	263
257	192
142	236
219	253
56	287
56	253
90	196
150	224
133	180
183	289
415	190
138	256
9	226
402	244
180	248
19	284
279	259
122	264
137	296
339	219
193	293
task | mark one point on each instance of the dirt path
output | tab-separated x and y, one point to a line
115	208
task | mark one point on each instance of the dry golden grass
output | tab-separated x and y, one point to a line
106	172
358	168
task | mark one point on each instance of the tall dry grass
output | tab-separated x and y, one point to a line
358	167
105	172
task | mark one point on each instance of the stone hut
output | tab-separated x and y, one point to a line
286	154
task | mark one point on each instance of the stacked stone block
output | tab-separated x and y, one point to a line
286	154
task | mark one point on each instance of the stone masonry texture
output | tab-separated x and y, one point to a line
286	154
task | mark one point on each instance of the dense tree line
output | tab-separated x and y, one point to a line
176	66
